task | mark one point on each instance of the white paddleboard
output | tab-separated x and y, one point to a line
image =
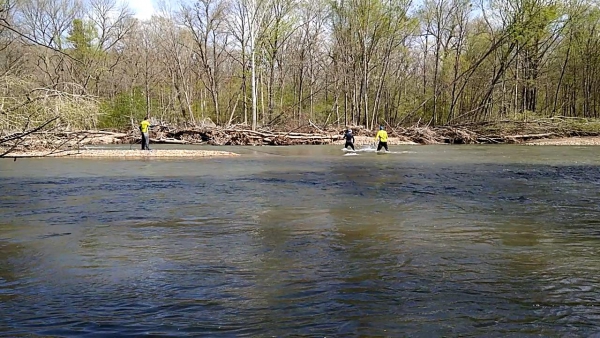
351	154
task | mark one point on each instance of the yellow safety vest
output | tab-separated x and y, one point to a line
381	135
144	126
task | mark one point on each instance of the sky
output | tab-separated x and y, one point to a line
143	9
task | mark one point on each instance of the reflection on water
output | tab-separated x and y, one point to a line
433	241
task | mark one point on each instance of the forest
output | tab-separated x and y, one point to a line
284	64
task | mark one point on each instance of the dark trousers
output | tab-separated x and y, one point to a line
145	141
349	144
382	145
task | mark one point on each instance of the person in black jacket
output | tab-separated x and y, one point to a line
349	139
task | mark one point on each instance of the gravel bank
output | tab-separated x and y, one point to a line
98	153
567	141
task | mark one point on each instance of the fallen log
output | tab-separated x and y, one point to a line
246	131
168	141
531	136
314	137
486	139
302	134
90	133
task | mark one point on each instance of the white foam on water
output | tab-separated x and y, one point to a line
369	149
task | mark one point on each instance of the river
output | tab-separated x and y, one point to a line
427	241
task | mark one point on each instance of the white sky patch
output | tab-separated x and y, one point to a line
142	9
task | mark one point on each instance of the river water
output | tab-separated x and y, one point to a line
429	241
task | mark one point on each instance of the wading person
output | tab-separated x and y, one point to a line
382	138
349	139
144	127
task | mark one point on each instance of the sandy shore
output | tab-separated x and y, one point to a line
98	153
567	141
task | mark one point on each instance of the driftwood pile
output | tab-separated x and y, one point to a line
237	136
461	135
420	135
55	140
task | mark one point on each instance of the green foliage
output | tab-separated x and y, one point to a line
583	125
81	37
531	22
321	110
125	107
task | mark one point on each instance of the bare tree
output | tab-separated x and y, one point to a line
247	20
279	27
11	50
47	21
207	23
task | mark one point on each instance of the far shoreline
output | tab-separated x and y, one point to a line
85	152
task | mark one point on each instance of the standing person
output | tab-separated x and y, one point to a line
382	138
144	126
349	139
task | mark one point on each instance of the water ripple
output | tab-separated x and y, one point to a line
303	246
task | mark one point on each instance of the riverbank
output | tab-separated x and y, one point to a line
546	131
123	153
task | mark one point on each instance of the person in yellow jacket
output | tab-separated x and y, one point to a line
382	138
144	128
